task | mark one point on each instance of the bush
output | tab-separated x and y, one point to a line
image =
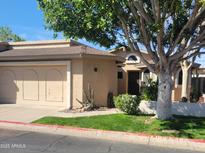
150	91
195	95
127	103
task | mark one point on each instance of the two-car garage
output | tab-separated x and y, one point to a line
34	85
55	73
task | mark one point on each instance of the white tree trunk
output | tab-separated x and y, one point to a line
185	66
185	83
164	103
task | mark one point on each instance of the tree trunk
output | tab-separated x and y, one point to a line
186	67
164	103
185	83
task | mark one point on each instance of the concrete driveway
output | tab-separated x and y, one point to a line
28	113
24	113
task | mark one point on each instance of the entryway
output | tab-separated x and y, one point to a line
133	82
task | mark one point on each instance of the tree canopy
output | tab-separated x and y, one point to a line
172	31
6	35
167	29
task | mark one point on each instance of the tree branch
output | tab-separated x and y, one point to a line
142	12
133	46
192	55
195	15
178	55
145	35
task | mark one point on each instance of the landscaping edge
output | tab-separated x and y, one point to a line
139	138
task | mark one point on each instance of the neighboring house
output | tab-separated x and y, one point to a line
198	80
133	74
55	73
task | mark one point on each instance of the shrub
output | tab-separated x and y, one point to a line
127	103
150	91
195	95
88	104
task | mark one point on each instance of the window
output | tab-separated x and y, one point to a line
180	78
132	58
120	75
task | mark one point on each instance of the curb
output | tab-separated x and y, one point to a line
140	138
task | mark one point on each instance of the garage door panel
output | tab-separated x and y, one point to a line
54	86
30	81
35	85
8	90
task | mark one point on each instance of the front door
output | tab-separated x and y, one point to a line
133	85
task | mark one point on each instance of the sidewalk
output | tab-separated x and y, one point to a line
140	138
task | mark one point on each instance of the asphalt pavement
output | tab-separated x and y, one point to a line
25	141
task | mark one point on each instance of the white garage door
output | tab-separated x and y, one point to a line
35	85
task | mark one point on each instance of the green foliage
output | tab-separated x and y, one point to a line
6	35
90	19
194	95
150	91
202	1
127	103
98	20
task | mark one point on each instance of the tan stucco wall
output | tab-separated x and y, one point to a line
122	83
47	85
103	81
131	67
139	67
77	82
176	92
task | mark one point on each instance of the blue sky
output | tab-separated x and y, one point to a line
26	20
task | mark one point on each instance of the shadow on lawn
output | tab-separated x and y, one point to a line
187	126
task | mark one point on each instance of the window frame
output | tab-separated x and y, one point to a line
120	75
132	61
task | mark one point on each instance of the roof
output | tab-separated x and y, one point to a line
3	46
43	50
201	70
125	49
144	54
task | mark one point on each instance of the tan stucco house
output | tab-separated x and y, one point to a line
55	73
133	74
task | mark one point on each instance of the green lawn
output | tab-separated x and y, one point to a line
187	127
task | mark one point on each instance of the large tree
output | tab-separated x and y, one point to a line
6	35
171	31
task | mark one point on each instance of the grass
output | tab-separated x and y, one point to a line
187	127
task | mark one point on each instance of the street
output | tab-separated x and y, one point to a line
24	141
